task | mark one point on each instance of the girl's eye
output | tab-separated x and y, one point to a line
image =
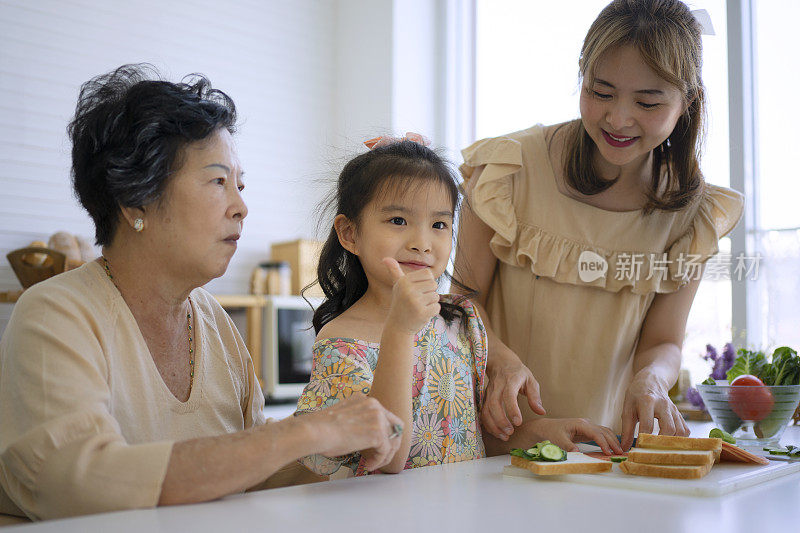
219	181
241	187
601	96
648	106
398	221
440	225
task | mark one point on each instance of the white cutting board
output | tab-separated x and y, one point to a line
723	478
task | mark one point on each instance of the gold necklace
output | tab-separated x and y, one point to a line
188	323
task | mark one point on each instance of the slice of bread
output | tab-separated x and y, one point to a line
576	463
670	457
664	442
668	471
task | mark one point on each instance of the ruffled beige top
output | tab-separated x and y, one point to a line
87	424
577	330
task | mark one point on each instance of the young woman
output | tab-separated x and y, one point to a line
586	239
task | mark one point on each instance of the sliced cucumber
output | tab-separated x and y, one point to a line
541	451
618	459
717	433
551	452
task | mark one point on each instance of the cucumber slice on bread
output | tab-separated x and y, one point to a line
551	452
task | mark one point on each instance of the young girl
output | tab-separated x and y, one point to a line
383	330
586	239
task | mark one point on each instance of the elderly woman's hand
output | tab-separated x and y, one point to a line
360	424
507	377
647	398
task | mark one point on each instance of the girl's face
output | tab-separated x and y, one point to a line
627	109
414	226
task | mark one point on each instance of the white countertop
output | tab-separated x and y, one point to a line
468	496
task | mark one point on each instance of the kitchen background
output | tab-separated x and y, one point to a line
313	78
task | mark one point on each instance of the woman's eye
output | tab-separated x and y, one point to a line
648	106
601	96
440	225
219	181
241	187
398	221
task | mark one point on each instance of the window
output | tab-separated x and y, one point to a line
776	228
527	62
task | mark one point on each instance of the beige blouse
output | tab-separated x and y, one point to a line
573	326
88	423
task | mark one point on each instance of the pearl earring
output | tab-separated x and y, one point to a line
138	225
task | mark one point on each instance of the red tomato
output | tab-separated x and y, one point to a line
750	399
747	380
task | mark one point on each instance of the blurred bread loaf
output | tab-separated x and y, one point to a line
87	250
35	259
67	244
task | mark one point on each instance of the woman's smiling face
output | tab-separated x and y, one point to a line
627	109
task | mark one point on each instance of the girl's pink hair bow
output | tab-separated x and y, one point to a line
387	139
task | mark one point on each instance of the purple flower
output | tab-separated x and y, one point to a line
695	399
711	353
720	370
729	354
722	363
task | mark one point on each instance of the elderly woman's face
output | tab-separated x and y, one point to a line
199	219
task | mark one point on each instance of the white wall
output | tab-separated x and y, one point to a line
416	105
390	70
311	79
363	104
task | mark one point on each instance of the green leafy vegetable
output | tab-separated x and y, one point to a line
786	365
768	374
534	453
519	452
784	368
747	362
709	381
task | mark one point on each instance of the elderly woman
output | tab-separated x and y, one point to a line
123	384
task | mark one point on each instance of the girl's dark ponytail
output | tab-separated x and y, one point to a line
341	278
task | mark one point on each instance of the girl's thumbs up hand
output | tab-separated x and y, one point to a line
415	299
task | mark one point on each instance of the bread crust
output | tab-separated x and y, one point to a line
665	471
670	457
666	442
543	468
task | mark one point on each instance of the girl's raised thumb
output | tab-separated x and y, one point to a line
394	268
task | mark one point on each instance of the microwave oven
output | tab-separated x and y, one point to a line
287	341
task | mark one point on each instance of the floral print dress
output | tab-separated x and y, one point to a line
447	386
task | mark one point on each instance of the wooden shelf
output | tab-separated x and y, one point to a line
10	297
254	312
234	301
